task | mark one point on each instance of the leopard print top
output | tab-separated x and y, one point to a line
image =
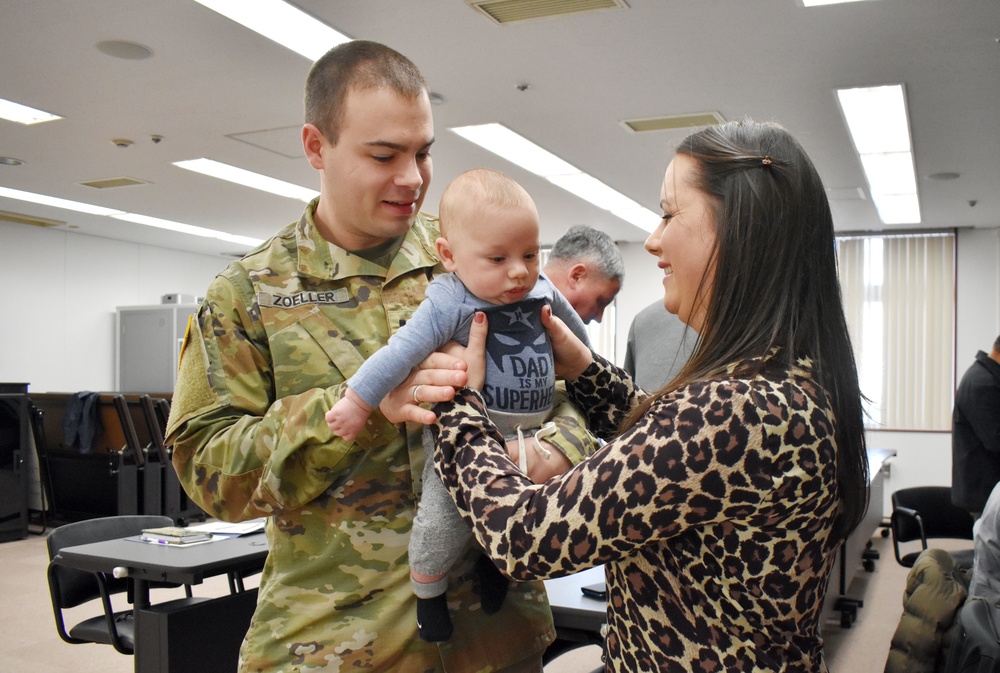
713	516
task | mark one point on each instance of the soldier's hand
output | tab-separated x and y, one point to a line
540	467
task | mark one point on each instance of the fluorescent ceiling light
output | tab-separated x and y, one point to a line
166	224
593	190
56	202
247	178
877	120
517	149
894	171
22	114
146	220
897	208
186	228
640	217
278	21
814	3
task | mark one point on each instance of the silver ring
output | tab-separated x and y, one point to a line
415	393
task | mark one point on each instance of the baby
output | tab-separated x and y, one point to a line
489	244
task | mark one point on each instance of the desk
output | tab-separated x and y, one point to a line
182	641
203	637
578	619
856	552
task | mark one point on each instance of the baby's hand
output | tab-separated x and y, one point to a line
348	416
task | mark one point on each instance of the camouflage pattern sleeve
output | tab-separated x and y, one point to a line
573	439
242	453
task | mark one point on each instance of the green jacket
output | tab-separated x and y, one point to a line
278	334
936	589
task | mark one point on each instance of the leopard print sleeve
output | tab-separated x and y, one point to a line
607	393
695	458
713	516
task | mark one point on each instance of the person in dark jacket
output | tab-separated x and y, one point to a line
975	433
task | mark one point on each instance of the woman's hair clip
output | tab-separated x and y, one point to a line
766	161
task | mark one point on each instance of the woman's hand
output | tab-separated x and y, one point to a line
474	355
571	355
475	352
434	380
438	376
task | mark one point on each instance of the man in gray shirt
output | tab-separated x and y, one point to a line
658	346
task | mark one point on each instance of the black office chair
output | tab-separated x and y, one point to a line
924	513
70	588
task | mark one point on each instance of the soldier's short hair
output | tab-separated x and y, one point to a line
357	65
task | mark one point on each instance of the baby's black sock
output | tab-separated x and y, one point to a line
492	584
433	620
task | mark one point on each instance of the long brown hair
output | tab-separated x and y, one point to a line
775	296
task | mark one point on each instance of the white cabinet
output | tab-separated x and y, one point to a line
148	344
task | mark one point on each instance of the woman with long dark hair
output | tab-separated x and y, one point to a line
718	502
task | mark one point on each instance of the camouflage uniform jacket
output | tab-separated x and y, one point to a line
276	337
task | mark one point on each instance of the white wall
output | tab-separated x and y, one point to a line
57	326
643	285
978	271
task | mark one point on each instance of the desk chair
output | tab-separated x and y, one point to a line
926	512
176	503
70	588
104	481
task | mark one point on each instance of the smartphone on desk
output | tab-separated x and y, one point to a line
598	591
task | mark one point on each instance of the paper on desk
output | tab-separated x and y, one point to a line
174	545
233	529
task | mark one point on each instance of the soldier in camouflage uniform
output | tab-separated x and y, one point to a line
268	353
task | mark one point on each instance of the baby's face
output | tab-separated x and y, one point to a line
496	256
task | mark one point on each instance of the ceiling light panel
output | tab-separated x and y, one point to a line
56	202
517	149
80	207
816	3
876	117
22	114
247	178
282	23
879	126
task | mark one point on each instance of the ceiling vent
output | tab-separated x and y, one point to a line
113	182
512	11
674	122
29	219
